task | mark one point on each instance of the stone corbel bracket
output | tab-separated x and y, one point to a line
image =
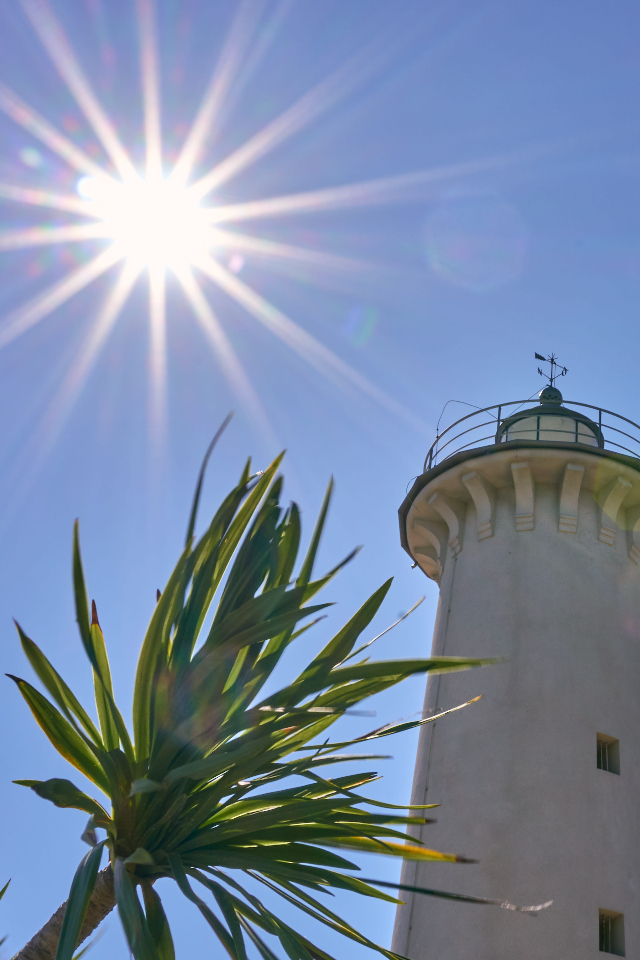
613	499
525	495
430	551
633	533
452	512
483	495
569	496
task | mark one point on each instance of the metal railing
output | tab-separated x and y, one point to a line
483	427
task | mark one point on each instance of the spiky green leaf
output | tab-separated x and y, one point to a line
79	896
64	793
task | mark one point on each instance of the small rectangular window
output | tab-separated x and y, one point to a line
612	933
608	753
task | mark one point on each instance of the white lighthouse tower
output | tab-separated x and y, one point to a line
529	521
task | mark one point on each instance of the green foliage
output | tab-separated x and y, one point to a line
221	781
2	893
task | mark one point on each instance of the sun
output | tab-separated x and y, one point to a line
154	223
159	220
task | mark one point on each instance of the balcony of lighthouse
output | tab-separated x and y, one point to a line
553	421
500	471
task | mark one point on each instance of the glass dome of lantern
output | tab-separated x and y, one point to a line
550	421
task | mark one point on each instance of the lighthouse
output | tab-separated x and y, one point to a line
528	520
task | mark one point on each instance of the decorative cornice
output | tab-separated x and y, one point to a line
513	445
433	518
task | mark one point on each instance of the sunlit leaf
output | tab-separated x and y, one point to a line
504	904
57	687
62	735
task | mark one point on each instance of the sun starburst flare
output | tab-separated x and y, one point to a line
158	221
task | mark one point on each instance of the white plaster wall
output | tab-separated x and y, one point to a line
516	773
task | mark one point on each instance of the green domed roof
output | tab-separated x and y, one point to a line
550	394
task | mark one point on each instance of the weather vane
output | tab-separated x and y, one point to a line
555	369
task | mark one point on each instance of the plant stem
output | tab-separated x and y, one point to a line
44	944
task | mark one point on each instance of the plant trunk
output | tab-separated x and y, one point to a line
45	943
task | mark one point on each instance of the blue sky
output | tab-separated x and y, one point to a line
520	233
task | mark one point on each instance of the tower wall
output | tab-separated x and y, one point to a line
536	555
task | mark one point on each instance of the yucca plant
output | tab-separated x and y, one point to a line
216	788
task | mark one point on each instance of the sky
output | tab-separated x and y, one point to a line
465	179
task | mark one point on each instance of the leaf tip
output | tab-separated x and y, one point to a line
94	615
